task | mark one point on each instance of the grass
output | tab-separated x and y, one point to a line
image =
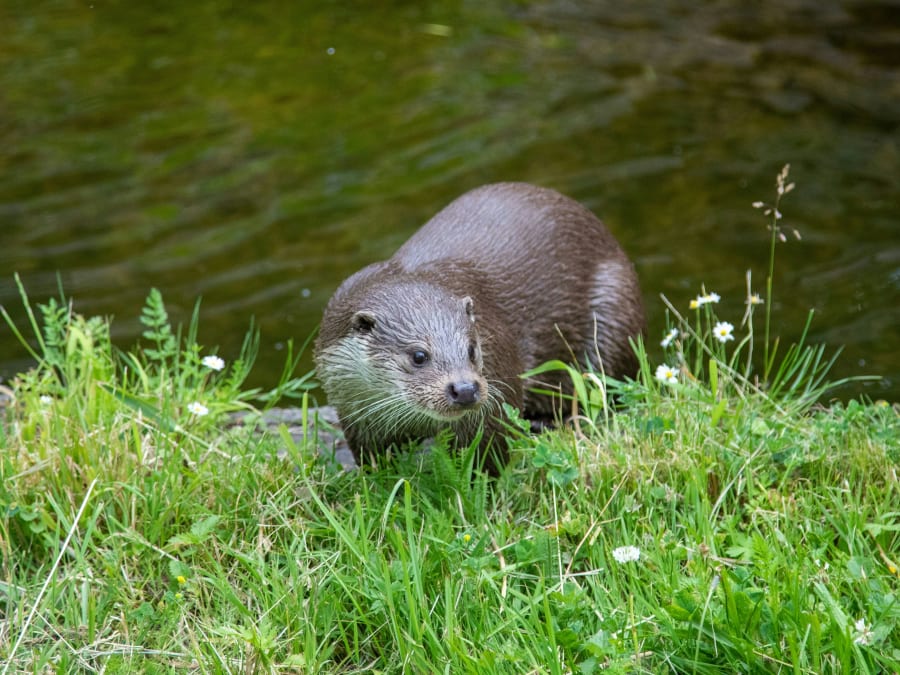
140	534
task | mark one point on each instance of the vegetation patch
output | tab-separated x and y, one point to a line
713	516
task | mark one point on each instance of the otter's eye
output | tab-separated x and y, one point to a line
419	357
472	352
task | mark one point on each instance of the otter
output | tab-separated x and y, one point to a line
505	278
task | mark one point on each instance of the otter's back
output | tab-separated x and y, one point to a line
510	227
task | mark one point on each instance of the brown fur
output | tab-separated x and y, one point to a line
522	274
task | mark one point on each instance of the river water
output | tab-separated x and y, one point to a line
255	154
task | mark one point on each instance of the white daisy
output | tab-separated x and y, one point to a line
670	336
666	374
723	331
198	409
705	299
863	632
625	554
213	362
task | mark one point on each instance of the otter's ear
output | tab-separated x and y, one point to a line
363	322
470	308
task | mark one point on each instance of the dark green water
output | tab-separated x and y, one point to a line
255	154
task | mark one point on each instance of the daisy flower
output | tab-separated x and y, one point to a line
198	409
705	299
213	362
670	336
723	331
863	632
666	374
626	554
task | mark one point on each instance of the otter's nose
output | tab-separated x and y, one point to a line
463	393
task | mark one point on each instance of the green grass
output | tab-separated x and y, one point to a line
139	536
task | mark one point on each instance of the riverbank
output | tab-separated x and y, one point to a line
705	527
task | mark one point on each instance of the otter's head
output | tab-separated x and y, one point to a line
409	361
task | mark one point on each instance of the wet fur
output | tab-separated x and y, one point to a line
543	279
